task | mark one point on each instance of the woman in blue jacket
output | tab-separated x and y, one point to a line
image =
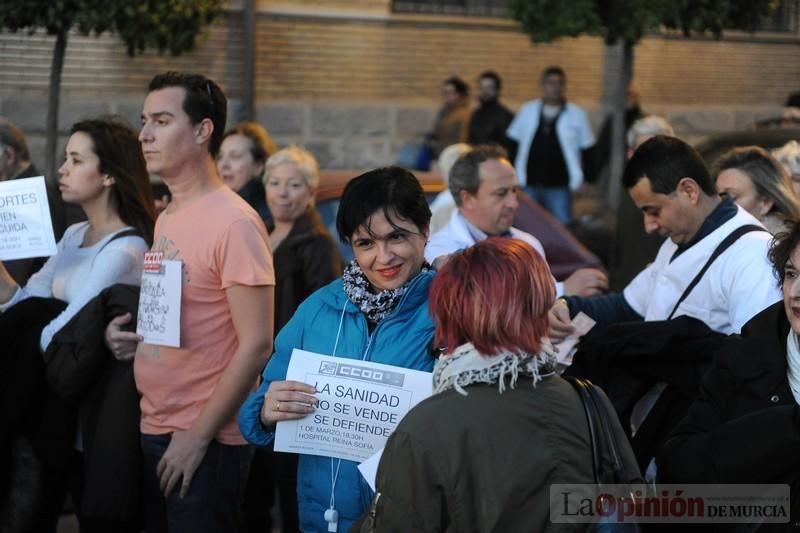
377	311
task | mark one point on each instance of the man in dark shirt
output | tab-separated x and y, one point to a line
15	164
491	118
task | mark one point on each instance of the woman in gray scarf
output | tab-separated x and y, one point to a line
501	427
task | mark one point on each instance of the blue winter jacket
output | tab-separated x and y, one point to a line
401	339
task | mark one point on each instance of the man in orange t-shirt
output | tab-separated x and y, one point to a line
195	459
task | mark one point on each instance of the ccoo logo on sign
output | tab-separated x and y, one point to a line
363	373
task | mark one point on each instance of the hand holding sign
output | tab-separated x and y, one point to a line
358	405
287	400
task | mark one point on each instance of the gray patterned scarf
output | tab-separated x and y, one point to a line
375	305
467	366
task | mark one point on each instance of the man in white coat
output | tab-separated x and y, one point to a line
554	136
669	182
485	187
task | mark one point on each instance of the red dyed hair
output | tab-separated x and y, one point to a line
496	295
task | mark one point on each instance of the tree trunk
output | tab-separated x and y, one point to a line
618	99
52	105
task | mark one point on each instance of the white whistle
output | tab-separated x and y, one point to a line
332	517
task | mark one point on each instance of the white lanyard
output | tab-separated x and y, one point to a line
331	514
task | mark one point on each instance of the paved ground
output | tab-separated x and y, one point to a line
68	524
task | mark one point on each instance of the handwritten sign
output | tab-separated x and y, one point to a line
159	319
26	229
360	404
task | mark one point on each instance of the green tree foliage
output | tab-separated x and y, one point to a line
626	22
630	20
164	25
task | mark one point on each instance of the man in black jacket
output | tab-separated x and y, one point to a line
491	119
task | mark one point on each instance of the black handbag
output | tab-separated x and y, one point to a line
606	456
607	464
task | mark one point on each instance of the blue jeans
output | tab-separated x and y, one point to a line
213	503
557	200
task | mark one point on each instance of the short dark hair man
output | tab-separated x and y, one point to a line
490	119
670	183
195	456
15	163
554	137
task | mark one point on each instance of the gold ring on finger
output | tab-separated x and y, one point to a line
277	406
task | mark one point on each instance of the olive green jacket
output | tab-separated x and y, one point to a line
485	462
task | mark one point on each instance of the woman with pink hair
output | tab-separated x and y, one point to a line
501	426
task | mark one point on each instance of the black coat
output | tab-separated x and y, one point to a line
489	123
254	194
86	383
745	425
21	377
305	260
21	365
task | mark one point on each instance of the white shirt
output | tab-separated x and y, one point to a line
76	274
456	235
737	286
574	133
442	209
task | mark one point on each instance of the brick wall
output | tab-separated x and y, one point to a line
353	81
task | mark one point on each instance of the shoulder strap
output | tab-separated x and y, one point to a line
721	247
580	386
126	233
605	446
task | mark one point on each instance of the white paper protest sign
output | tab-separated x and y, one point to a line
369	469
26	229
159	318
360	404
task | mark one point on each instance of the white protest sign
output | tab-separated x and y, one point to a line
159	318
26	229
360	404
369	469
